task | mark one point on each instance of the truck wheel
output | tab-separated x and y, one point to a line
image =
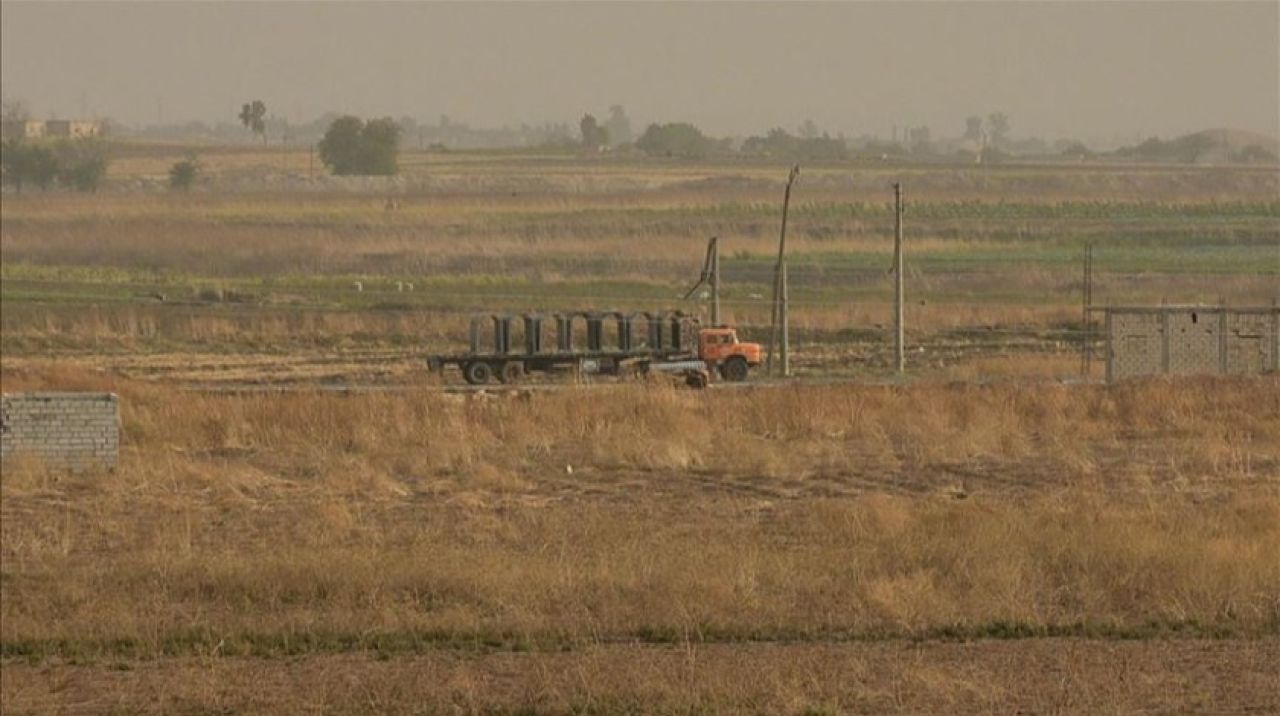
735	369
511	372
477	373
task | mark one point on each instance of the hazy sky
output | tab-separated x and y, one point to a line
1095	69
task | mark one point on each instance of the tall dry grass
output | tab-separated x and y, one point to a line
274	524
1026	676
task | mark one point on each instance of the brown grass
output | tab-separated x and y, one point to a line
931	547
1027	676
311	523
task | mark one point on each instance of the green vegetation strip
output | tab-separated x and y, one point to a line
205	641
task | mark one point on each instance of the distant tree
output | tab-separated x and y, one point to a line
997	127
973	128
82	163
182	175
42	165
1186	149
676	139
23	162
918	139
1191	147
593	135
340	148
253	115
353	147
15	158
380	144
1077	150
778	143
808	130
618	126
1254	153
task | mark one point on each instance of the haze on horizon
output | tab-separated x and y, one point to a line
1106	69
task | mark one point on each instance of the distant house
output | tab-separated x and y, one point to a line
71	128
22	129
36	128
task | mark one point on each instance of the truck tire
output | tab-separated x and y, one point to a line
735	369
511	372
477	372
696	379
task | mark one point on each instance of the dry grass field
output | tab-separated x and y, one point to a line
856	548
980	536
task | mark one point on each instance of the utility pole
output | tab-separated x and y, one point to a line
899	342
780	299
785	319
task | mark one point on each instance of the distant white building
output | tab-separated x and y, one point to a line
71	128
37	128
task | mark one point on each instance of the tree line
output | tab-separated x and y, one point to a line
78	164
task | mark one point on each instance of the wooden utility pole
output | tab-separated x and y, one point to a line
779	308
899	334
785	320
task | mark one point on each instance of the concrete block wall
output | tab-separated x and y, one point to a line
1156	340
76	430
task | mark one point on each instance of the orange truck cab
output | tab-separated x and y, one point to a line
720	349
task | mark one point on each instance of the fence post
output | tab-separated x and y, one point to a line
1222	341
899	333
1086	341
1275	336
1164	340
1111	352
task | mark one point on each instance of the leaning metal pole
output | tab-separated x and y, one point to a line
899	342
715	282
779	304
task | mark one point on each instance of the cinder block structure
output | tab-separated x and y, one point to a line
72	430
1174	340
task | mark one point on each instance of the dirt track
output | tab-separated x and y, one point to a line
1018	676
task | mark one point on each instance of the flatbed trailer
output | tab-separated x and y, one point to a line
480	368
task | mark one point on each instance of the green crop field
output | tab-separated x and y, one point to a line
986	246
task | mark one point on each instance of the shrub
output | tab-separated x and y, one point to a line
182	175
354	147
677	139
82	164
